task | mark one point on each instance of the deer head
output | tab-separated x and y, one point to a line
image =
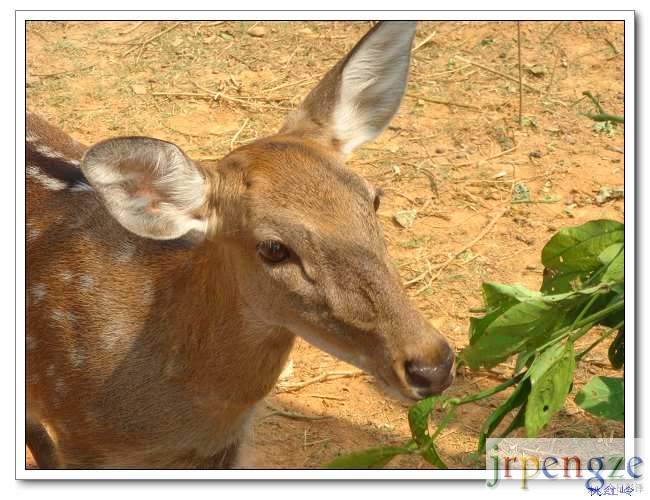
296	229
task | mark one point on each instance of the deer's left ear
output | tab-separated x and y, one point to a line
356	100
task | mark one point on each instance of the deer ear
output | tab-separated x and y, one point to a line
148	185
356	100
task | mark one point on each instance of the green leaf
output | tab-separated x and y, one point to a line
575	255
603	397
616	352
516	399
551	375
509	333
555	281
373	458
578	248
430	454
524	319
419	424
614	258
419	419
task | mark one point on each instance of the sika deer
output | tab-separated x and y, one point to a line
164	295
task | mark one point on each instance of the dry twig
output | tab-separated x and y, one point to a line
323	377
236	136
132	28
423	42
446	103
275	411
60	73
499	73
149	40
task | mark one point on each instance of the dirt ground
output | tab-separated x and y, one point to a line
455	153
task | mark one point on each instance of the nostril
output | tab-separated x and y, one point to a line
421	375
430	378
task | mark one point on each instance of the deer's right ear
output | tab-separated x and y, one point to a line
356	100
148	185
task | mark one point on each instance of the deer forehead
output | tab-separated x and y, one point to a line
299	176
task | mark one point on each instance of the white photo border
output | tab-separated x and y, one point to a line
297	15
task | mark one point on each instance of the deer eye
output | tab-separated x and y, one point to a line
273	252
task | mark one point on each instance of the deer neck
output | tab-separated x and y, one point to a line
214	345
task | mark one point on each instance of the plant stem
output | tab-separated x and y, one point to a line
584	311
606	334
603	313
594	100
486	393
443	423
581	325
605	117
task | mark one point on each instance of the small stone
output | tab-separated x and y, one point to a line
406	218
257	31
139	89
606	194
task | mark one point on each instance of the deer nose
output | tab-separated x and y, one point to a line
427	378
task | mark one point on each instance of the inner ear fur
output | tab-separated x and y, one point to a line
150	186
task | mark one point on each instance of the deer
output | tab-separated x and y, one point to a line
164	295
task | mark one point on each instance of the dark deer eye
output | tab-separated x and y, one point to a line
272	251
377	202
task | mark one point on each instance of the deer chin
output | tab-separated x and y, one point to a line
394	390
318	342
402	395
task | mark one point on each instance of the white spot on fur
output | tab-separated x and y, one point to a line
50	371
43	179
38	292
77	358
58	315
125	252
59	387
66	275
87	281
146	290
66	318
32	343
33	231
115	331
